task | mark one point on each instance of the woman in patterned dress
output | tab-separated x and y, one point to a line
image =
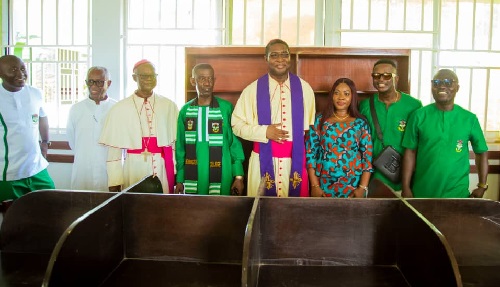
339	146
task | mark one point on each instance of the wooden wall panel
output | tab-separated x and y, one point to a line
236	67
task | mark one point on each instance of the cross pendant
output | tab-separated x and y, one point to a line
145	153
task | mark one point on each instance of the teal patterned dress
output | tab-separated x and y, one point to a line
340	153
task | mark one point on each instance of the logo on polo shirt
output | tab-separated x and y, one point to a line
460	144
402	125
34	118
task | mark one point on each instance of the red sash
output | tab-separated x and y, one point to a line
166	153
282	150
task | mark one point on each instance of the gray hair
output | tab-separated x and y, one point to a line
105	71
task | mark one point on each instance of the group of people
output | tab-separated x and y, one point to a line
197	150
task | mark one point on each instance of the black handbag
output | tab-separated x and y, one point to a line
388	162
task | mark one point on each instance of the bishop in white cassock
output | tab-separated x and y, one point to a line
141	131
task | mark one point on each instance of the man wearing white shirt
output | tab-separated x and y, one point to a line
24	128
84	128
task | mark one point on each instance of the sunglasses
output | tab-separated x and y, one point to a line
444	82
383	76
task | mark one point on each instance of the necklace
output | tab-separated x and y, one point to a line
149	120
340	118
392	102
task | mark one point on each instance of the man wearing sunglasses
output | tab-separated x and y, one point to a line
392	108
84	127
436	160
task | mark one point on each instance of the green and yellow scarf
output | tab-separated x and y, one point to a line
215	142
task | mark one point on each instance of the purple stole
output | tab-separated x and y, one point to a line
298	147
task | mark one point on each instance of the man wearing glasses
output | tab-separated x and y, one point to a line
392	108
274	112
84	127
143	128
436	160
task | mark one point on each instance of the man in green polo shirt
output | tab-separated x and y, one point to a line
437	146
393	108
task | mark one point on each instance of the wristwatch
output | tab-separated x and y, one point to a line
483	185
46	142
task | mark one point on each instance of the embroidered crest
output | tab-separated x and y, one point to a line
215	127
296	179
460	145
34	118
190	124
269	181
402	125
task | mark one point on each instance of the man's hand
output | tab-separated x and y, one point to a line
406	193
276	134
44	148
116	188
237	186
179	188
478	192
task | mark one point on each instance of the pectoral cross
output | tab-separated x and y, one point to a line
145	153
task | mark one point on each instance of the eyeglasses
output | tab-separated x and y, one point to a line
205	79
99	83
383	76
275	56
147	77
446	82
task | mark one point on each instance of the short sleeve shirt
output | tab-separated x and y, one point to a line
441	139
20	116
392	122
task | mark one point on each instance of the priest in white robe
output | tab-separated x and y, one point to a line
141	131
83	129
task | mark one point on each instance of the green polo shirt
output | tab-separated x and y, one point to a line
441	139
392	122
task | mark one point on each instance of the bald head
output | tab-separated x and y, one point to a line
13	73
446	74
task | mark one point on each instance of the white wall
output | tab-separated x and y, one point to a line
61	174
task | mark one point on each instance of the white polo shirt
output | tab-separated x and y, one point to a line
19	119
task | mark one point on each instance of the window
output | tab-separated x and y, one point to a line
53	41
459	35
160	30
255	22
